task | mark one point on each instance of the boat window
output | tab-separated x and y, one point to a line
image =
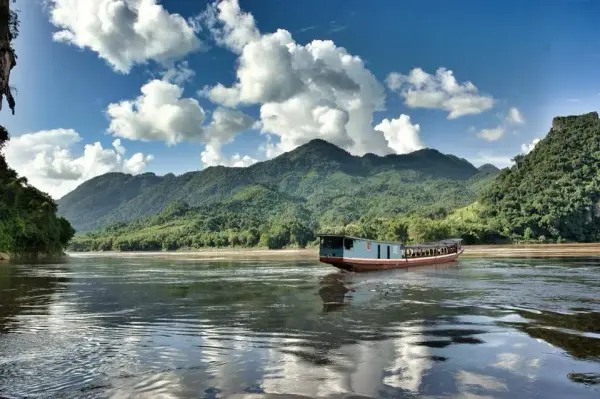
348	243
331	242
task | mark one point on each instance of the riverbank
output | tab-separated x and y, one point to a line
23	257
513	250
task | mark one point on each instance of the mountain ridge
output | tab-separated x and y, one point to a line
307	171
311	142
551	194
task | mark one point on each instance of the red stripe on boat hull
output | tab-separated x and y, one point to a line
367	265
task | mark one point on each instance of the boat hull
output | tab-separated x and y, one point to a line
367	265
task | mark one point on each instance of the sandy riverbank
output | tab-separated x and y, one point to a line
515	250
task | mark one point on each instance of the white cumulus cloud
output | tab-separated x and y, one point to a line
179	73
225	124
124	32
237	29
45	158
316	90
402	136
161	113
212	156
440	91
514	116
491	134
527	148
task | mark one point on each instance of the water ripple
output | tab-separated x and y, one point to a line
142	327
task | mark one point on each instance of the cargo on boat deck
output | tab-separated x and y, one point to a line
360	254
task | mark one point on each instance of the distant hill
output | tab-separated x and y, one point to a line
489	169
102	195
331	185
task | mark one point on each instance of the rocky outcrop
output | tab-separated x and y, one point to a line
559	122
4	256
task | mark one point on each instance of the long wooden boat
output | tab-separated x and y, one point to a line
362	255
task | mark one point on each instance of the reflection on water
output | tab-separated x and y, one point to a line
125	326
334	288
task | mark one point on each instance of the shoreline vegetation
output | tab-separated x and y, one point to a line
29	225
32	256
492	251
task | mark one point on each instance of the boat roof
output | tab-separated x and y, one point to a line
359	238
447	241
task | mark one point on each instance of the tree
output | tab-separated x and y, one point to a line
28	221
3	139
9	30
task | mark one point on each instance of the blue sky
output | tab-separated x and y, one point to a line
526	62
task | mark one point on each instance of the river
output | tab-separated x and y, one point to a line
156	326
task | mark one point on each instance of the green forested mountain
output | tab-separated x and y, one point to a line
329	183
102	196
275	203
554	191
551	194
28	221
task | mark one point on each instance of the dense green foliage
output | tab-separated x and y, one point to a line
28	221
551	194
335	187
278	203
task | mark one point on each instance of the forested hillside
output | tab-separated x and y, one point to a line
334	186
277	203
28	221
551	194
